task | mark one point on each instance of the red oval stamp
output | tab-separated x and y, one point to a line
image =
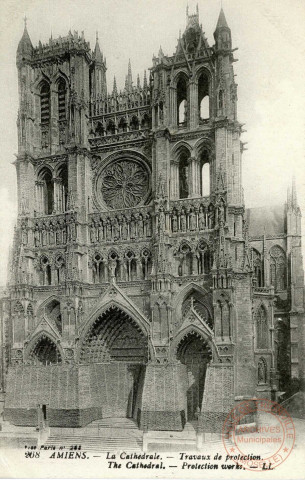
258	434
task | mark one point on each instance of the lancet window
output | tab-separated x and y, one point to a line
45	103
61	189
277	268
59	269
205	173
183	174
182	102
45	271
258	279
61	100
44	192
203	97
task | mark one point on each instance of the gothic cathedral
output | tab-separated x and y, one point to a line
140	286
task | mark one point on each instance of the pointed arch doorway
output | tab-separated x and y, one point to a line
194	352
115	352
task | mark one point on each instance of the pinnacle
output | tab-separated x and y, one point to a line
222	22
97	51
25	44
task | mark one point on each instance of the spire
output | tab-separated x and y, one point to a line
129	77
145	80
114	90
138	82
222	22
98	57
222	33
294	200
25	47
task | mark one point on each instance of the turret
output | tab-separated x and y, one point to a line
222	33
25	47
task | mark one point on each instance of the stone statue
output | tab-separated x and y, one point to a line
58	234
183	221
132	226
64	232
100	231
201	219
148	225
192	220
36	236
115	229
43	235
108	229
174	223
140	226
92	233
51	234
124	228
211	217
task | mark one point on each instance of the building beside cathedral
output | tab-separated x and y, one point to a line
140	285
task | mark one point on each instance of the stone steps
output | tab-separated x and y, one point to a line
97	443
104	435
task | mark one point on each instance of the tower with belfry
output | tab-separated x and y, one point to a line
140	286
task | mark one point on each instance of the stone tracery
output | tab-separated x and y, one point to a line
124	184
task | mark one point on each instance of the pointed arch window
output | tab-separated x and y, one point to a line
45	103
134	124
98	269
182	102
45	192
278	270
205	174
146	264
261	325
257	269
183	169
46	278
60	269
45	352
203	98
62	194
62	100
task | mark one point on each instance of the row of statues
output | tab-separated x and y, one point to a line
49	233
192	219
120	228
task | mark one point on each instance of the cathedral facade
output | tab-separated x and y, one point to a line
140	285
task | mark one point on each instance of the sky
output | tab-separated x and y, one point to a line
270	73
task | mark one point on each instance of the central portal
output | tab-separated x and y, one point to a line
195	353
116	349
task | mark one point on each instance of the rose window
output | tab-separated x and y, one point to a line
124	184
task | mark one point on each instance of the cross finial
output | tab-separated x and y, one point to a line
97	36
25	20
